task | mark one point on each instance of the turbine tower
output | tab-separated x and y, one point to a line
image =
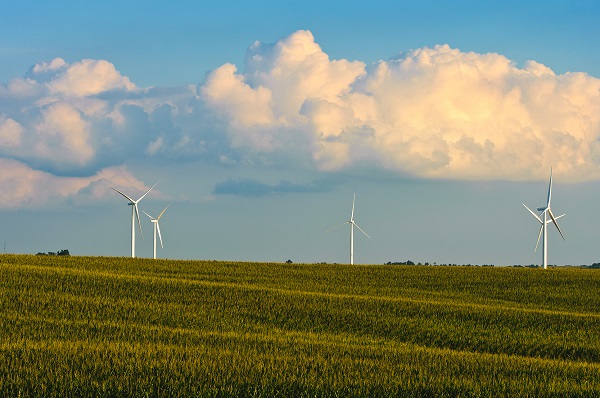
352	225
544	221
156	228
134	213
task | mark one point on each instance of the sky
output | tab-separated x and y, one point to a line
261	120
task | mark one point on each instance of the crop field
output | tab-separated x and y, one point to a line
121	327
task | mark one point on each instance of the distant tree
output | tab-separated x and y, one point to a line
289	261
64	252
401	263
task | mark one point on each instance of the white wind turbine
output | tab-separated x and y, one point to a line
545	212
352	225
157	228
134	213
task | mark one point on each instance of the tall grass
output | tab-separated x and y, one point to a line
82	326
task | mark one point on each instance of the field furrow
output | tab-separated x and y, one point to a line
123	327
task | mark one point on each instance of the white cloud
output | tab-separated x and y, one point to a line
479	116
245	105
155	146
80	79
433	112
90	77
263	105
63	135
19	89
10	133
46	67
331	155
296	69
24	187
80	117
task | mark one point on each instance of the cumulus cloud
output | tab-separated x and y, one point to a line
262	106
80	79
24	187
443	113
433	112
63	135
10	133
77	118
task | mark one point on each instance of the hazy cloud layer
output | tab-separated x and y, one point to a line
432	112
252	187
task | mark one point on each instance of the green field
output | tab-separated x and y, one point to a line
92	326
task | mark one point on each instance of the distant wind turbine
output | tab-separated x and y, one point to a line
352	225
545	212
156	228
134	213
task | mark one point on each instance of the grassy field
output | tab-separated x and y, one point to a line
117	327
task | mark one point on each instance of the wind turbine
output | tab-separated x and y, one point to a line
156	228
545	212
134	213
352	225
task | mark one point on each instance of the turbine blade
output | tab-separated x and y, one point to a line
137	213
361	230
539	236
159	237
555	223
126	197
337	226
549	190
161	213
352	214
142	197
151	218
535	215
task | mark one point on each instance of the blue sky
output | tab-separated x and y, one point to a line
261	119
